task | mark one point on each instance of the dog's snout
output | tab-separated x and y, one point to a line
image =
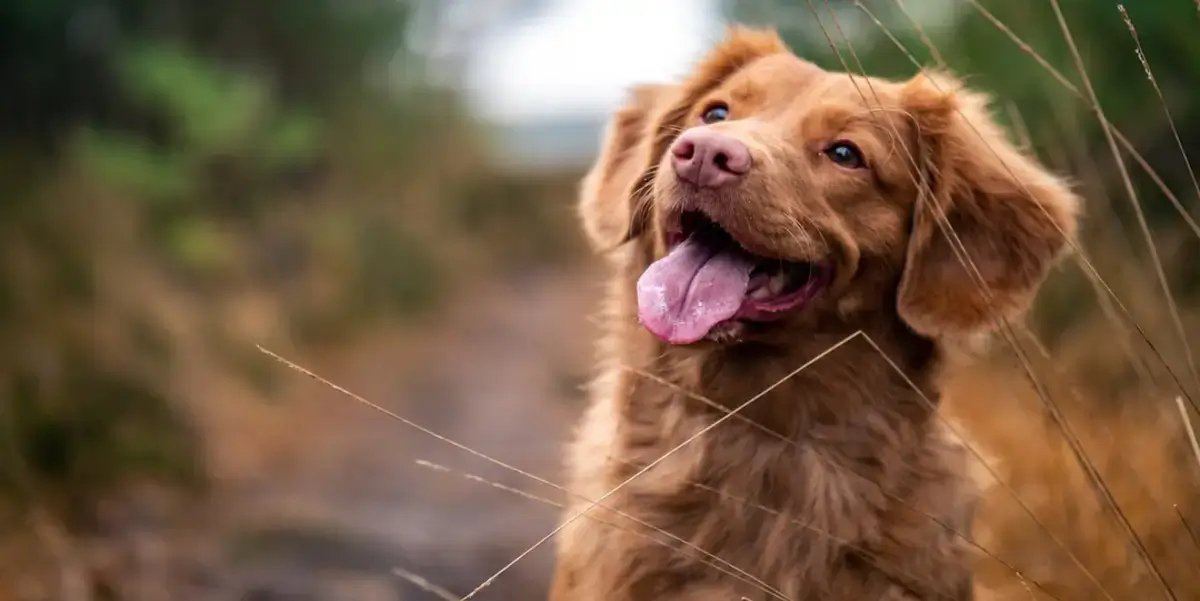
710	159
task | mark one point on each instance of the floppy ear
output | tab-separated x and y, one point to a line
606	203
613	204
1008	217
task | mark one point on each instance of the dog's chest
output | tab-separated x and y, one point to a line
787	512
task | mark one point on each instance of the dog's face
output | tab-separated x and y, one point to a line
772	193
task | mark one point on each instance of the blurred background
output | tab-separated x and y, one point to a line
382	191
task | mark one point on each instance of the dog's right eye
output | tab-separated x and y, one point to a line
715	113
846	155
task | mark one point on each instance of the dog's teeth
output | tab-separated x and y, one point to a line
760	293
776	283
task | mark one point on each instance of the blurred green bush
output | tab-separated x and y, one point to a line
164	162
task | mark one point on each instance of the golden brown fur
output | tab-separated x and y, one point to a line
840	483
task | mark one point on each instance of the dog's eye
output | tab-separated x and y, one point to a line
846	155
715	113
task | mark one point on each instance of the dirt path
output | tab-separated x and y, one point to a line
499	373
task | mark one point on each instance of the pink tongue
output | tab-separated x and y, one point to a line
683	295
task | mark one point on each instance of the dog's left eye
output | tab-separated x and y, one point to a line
846	155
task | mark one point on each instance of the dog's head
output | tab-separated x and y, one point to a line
768	193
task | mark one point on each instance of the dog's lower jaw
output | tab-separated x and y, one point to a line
726	333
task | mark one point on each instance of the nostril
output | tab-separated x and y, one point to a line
683	149
721	160
734	159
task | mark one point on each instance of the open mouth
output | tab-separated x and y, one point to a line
708	279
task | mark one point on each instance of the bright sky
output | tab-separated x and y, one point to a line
579	56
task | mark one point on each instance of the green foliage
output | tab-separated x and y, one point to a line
89	431
228	155
396	271
214	111
519	215
212	116
197	127
125	160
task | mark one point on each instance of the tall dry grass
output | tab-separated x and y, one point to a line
1042	515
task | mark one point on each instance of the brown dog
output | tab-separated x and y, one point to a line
756	215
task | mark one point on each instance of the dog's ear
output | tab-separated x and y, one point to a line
614	201
606	202
990	223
